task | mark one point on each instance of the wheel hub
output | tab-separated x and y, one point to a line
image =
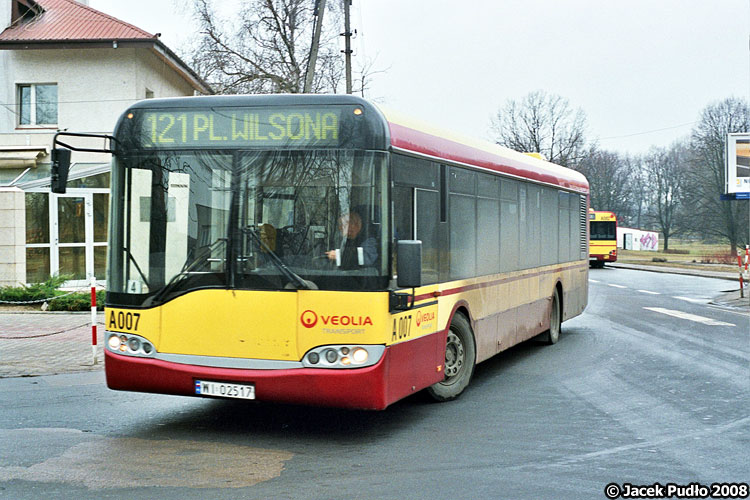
454	355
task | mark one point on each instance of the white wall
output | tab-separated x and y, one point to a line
4	14
12	237
641	240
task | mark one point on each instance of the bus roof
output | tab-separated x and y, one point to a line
603	214
418	137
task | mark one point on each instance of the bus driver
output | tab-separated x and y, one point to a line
358	248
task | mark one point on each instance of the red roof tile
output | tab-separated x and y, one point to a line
67	20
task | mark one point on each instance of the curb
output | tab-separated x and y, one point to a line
678	270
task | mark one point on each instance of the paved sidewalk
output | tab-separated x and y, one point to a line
33	344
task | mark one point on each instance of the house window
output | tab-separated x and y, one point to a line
149	94
37	104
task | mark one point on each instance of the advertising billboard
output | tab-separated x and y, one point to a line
738	164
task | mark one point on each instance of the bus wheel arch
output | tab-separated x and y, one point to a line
460	359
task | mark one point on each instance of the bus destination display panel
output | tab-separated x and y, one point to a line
242	127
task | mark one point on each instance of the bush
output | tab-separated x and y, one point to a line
78	302
719	258
36	291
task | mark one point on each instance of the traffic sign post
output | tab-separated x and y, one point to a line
742	262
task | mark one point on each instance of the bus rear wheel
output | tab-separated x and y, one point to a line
460	358
552	335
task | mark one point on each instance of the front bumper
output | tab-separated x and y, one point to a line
403	369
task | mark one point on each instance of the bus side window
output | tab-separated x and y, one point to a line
462	219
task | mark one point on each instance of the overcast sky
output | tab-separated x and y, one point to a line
641	70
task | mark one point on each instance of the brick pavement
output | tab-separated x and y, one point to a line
48	343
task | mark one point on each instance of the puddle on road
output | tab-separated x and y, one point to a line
131	462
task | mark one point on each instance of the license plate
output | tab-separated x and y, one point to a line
224	390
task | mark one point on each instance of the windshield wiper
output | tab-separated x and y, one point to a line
276	260
189	265
135	263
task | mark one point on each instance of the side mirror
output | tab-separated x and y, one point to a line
60	168
409	263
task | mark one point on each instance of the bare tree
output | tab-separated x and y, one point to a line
665	170
610	186
710	216
640	191
542	123
266	48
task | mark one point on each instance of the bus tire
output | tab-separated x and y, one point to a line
460	358
552	335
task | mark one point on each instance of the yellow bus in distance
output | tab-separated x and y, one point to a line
602	237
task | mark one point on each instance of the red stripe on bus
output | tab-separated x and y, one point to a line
422	142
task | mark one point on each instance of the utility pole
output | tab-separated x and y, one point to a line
310	75
347	47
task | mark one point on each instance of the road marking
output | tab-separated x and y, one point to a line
688	316
616	286
593	281
649	292
692	300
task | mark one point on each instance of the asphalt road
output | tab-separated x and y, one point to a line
650	384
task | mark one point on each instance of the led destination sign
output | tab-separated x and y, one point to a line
241	127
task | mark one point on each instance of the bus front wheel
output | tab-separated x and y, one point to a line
460	358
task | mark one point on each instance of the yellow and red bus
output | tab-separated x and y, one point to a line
602	237
319	250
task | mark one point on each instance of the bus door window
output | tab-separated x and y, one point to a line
417	210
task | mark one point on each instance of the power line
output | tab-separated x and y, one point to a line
648	131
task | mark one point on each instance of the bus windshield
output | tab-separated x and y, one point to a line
268	220
602	230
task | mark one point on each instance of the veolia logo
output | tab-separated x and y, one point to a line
309	319
424	317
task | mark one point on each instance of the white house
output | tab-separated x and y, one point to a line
67	67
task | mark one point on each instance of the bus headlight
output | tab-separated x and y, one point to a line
130	345
114	342
359	355
343	356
